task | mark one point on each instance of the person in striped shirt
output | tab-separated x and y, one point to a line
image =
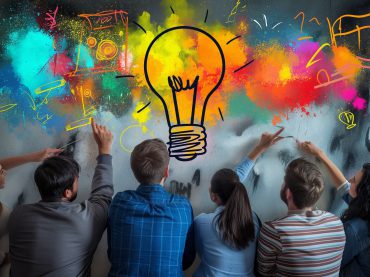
305	242
356	218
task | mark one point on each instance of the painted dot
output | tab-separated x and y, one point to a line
91	42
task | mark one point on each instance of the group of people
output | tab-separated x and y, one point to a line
153	233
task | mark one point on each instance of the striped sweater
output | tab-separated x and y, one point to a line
301	244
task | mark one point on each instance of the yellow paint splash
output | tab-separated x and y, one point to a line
285	74
143	116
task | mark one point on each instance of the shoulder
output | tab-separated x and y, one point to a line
330	218
204	218
180	200
125	195
21	211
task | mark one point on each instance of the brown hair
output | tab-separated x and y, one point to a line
235	222
149	160
305	181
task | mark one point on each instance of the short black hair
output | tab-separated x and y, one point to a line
149	160
55	175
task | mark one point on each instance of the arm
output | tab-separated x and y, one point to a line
39	156
265	142
268	249
336	175
102	183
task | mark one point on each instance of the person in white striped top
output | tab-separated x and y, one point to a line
306	242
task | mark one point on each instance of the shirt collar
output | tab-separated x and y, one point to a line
219	209
304	212
150	188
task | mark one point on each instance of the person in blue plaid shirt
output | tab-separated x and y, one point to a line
150	231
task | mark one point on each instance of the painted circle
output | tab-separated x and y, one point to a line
123	133
87	93
107	50
91	42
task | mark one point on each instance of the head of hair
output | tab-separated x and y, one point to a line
149	161
235	221
55	175
305	181
359	207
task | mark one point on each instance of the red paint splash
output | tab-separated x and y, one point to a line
60	64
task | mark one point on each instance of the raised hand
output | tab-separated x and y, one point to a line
45	153
310	148
103	137
268	139
265	142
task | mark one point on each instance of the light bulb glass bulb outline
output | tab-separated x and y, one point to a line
187	141
222	73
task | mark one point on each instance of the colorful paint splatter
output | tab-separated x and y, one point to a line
62	64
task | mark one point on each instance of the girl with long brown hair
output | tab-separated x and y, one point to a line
226	239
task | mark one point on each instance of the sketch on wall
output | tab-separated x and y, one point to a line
207	77
141	67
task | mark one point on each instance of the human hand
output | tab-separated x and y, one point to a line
310	148
44	154
268	139
103	137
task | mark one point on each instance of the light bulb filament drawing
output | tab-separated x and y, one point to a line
177	86
185	88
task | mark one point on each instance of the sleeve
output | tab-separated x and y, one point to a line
244	168
269	247
343	192
109	240
189	251
102	187
353	245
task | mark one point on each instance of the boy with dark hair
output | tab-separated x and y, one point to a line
5	165
149	229
306	242
56	237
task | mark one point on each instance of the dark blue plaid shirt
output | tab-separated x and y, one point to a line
150	233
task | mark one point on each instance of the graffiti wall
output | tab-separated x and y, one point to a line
207	77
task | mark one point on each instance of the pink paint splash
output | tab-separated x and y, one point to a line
359	103
60	64
348	94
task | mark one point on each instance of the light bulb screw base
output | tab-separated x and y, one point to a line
187	141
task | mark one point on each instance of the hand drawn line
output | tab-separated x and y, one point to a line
139	111
257	23
231	40
240	68
317	21
141	27
125	76
303	38
333	81
302	14
219	110
277	24
7	107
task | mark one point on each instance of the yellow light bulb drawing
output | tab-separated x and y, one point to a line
193	69
348	119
